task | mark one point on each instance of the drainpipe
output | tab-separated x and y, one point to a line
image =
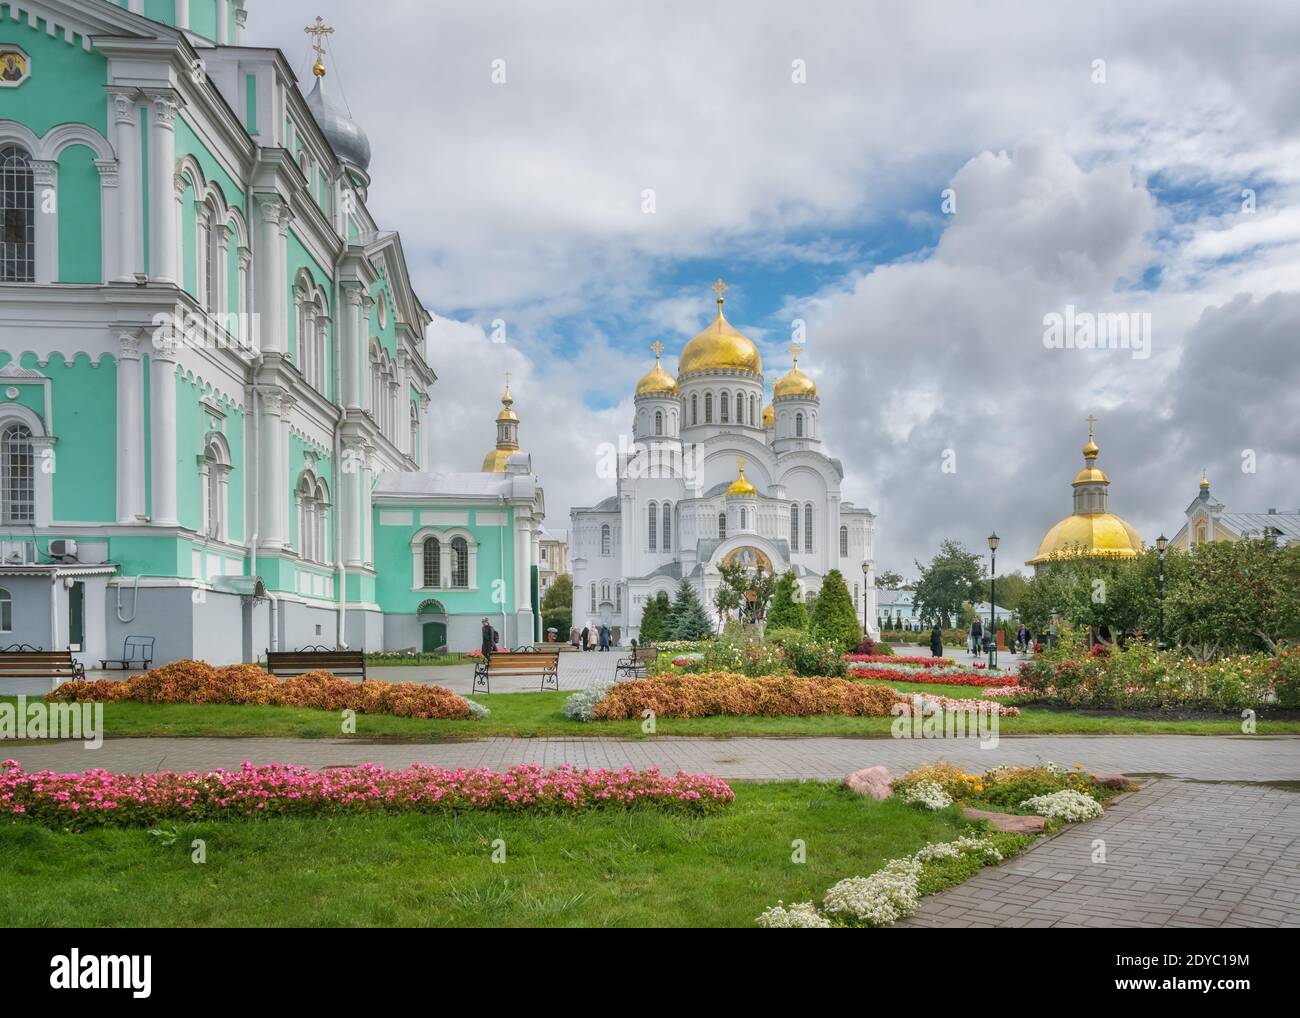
54	609
340	570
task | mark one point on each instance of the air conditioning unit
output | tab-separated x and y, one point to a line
64	548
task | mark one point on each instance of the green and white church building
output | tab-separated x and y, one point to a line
214	383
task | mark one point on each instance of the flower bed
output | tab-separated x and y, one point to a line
1003	789
198	682
901	659
725	693
943	677
98	797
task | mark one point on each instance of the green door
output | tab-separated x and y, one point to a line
435	636
76	614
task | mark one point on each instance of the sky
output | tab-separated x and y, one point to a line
923	184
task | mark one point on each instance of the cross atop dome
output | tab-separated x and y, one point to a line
318	31
658	348
719	289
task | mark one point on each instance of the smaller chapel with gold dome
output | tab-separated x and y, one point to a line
1091	530
720	468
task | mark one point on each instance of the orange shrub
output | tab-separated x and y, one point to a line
198	682
695	696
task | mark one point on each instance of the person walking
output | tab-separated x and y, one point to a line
976	634
586	638
1023	637
604	637
488	643
936	641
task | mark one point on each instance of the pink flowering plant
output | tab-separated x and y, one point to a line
101	798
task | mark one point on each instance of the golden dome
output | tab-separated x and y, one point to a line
795	382
657	381
740	486
1205	482
720	347
1091	475
769	416
496	459
507	435
1089	535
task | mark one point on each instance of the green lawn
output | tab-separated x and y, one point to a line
542	714
602	868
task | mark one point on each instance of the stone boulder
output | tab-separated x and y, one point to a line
1111	780
875	782
1008	822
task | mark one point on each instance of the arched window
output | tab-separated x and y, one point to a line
668	526
740	408
659	422
695	408
605	542
432	562
215	471
322	496
743	518
722	526
794	528
306	518
17	216
1201	533
593	597
618	597
6	612
17	475
724	406
708	408
798	425
808	527
653	514
844	542
459	562
753	411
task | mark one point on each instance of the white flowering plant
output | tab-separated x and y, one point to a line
800	916
1067	805
929	794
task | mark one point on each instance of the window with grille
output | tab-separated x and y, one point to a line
708	408
17	475
668	527
604	540
740	409
212	493
722	526
844	542
654	526
659	422
723	405
432	562
794	528
807	527
798	425
695	409
459	562
17	209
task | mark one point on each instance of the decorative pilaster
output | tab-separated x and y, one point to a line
108	215
350	470
223	22
164	220
130	430
45	177
129	222
272	482
162	430
272	286
348	342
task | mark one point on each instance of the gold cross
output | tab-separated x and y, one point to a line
1091	421
795	350
658	348
318	32
740	466
719	288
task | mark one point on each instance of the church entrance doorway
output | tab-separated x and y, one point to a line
432	617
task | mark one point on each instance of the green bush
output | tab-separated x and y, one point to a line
833	618
806	654
786	611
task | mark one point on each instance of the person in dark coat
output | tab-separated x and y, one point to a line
487	644
936	641
976	635
1023	638
586	638
604	637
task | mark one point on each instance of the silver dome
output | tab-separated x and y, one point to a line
346	138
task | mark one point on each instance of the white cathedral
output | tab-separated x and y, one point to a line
714	476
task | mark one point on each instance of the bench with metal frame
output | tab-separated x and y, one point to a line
343	663
635	663
23	661
530	661
134	649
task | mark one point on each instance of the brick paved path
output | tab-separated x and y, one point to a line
1177	853
1235	758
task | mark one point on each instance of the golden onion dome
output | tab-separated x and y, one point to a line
1091	475
496	459
769	416
740	486
1205	482
507	435
795	382
1089	535
657	381
720	347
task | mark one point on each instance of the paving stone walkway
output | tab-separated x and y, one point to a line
1177	854
1232	758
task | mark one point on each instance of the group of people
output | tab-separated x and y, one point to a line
979	641
584	638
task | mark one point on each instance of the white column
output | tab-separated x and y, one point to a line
130	431
271	288
126	140
270	488
346	343
223	22
350	500
162	431
163	218
287	483
45	177
136	6
241	19
182	13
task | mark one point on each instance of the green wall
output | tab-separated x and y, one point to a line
66	84
79	216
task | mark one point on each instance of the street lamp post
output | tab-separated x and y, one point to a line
994	541
1162	543
866	568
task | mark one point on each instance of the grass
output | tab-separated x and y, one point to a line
423	660
528	715
603	868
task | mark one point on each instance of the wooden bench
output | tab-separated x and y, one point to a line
542	662
21	661
135	650
343	663
635	663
